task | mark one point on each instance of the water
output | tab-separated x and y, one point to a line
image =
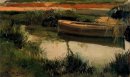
99	51
127	45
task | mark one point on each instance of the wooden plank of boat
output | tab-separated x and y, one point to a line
86	29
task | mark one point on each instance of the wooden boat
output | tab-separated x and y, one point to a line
88	29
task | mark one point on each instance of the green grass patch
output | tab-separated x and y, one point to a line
72	15
12	58
44	18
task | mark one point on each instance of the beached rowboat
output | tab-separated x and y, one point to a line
88	29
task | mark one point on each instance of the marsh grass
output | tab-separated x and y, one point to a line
120	66
35	17
12	58
32	49
69	65
44	18
16	34
75	64
73	16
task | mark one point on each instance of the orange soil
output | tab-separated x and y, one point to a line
4	8
84	6
50	5
77	6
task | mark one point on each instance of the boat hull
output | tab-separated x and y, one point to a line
72	27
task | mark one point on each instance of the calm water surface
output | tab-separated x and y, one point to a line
98	51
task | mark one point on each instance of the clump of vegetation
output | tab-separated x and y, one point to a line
75	64
35	17
44	18
24	18
50	19
121	13
7	55
86	18
68	14
12	58
16	34
120	66
32	49
4	26
54	67
73	16
33	66
70	64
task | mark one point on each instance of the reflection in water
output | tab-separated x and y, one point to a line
70	52
96	50
127	45
107	41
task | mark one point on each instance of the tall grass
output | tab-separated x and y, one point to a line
75	64
73	16
70	64
32	49
120	66
16	34
121	14
12	58
35	17
44	18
